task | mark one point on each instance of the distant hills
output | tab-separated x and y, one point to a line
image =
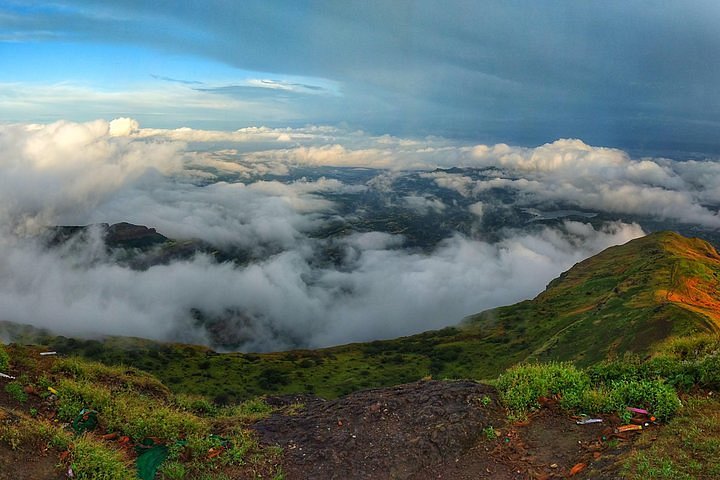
627	299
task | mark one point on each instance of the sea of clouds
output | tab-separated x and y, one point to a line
68	173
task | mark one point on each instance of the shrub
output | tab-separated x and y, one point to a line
619	384
272	378
522	385
598	400
196	403
709	372
693	347
4	360
654	395
609	371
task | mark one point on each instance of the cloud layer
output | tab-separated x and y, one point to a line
232	190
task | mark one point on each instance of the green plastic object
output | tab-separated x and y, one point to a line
85	421
150	460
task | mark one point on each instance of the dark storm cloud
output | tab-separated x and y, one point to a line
637	74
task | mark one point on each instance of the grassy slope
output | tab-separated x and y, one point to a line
130	403
626	299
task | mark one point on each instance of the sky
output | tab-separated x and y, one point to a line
640	75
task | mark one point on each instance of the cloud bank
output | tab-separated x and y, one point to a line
233	190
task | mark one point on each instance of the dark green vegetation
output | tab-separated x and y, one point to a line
628	298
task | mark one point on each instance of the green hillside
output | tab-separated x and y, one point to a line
625	299
628	298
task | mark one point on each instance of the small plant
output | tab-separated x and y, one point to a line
250	410
15	390
485	401
197	404
489	433
173	470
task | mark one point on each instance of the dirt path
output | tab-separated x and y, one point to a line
438	430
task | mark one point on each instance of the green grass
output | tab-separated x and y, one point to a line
686	449
93	460
15	390
521	386
34	434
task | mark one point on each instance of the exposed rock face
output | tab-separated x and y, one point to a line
395	432
129	235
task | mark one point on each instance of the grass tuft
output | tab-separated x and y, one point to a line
93	460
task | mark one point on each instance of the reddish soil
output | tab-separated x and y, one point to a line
690	295
438	430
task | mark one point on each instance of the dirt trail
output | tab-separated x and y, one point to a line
437	430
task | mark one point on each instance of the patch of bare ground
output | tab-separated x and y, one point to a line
439	430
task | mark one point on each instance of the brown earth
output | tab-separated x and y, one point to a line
22	465
438	430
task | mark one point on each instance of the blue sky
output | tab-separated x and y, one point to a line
640	75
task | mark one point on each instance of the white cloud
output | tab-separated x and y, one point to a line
47	171
81	173
423	204
477	209
122	127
